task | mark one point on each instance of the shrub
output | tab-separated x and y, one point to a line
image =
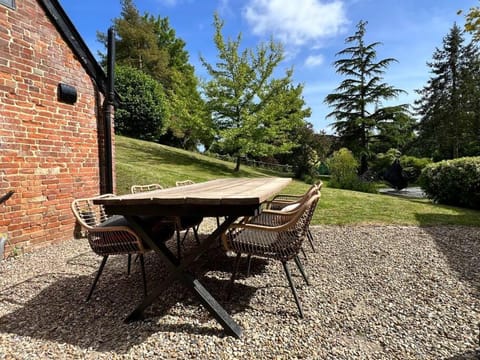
453	182
413	166
382	162
143	108
323	169
343	169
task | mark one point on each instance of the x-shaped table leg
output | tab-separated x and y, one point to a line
178	271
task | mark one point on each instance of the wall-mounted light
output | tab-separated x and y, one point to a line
67	93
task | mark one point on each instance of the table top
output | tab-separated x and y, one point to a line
229	193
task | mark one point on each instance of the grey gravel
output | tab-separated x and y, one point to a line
377	292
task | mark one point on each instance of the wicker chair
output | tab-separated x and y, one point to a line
285	203
141	188
280	201
281	239
184	182
107	235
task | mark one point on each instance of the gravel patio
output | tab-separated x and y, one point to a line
377	292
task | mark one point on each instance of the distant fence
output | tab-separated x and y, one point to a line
254	163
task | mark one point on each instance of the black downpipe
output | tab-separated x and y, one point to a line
110	99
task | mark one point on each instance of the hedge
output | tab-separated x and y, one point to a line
453	182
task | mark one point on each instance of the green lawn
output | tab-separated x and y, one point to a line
140	162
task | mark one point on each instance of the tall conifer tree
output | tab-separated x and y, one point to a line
448	104
357	101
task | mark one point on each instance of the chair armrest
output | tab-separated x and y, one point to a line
100	229
286	197
281	200
261	227
289	219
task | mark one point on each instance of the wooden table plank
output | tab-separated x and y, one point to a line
247	191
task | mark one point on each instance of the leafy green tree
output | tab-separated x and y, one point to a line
470	92
253	112
142	112
343	169
357	101
148	43
312	148
397	134
190	123
448	104
472	22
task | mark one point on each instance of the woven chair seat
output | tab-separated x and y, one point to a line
114	242
281	246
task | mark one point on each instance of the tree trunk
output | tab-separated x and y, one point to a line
363	164
237	165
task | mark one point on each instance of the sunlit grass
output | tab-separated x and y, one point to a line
140	162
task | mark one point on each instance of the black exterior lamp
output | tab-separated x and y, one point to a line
67	93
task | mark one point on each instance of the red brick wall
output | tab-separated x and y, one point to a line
49	150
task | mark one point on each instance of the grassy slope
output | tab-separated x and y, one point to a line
140	162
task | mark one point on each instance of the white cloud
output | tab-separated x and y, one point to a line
224	7
173	3
297	22
169	3
314	60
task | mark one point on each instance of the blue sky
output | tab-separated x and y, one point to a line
312	32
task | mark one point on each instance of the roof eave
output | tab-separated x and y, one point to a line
73	38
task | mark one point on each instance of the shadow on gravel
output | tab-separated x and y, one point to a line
52	306
469	355
461	247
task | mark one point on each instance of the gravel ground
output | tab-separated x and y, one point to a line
377	292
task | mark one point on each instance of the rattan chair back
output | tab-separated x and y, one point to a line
282	200
184	182
278	236
142	188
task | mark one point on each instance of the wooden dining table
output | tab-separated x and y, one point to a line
229	198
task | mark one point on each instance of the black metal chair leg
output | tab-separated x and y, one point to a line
129	263
142	264
249	263
302	270
99	272
294	291
310	240
304	254
195	233
179	245
234	273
